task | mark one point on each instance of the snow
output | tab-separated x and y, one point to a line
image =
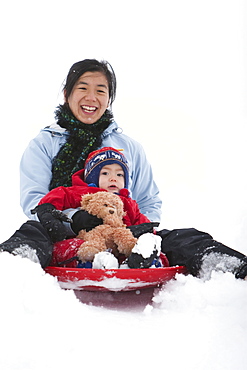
114	284
147	244
193	324
105	260
181	71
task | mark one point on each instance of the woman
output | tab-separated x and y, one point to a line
84	123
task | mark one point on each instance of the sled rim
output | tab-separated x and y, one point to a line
113	279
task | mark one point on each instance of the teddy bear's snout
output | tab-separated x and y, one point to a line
111	211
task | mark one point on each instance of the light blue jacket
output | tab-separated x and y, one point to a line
36	164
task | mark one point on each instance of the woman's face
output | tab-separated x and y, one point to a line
89	97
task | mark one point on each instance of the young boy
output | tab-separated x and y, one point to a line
105	169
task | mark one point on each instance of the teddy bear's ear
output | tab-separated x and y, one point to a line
85	199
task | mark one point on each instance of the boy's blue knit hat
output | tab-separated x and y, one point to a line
100	158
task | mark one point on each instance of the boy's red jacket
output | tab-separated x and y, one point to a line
70	197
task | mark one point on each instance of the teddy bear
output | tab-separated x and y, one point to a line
112	234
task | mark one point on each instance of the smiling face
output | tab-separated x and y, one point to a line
89	97
111	178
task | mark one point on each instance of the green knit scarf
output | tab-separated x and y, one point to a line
83	139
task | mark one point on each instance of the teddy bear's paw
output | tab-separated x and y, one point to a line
87	252
105	260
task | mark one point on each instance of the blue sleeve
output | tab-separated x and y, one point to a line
143	187
35	169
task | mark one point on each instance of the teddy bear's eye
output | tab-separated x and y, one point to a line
105	205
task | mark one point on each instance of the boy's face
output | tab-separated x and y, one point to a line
111	178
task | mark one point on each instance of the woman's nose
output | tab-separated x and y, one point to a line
90	96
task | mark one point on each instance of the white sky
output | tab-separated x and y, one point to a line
181	74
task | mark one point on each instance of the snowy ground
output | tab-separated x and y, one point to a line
191	325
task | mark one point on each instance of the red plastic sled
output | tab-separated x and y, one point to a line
114	280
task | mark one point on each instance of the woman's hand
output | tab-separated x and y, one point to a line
52	220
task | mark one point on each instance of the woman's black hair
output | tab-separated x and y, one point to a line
91	65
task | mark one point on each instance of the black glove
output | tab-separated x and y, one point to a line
137	261
147	227
84	220
52	220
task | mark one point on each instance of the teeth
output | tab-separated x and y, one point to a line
89	109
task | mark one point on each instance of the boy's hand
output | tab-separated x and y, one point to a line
82	220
